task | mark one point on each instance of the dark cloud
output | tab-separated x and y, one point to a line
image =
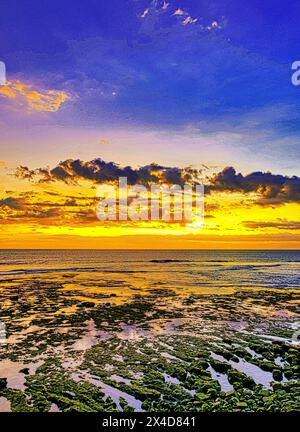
42	213
211	207
31	215
13	203
24	172
66	203
282	224
70	203
271	188
20	208
99	171
32	207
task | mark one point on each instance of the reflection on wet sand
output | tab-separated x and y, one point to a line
4	405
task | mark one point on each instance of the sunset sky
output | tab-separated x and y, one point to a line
156	90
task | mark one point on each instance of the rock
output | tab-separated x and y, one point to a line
277	375
198	368
239	379
68	393
239	352
276	386
3	383
278	347
266	366
87	304
229	356
201	396
230	393
291	359
219	366
242	405
264	392
203	364
288	374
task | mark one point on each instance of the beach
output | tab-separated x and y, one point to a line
136	330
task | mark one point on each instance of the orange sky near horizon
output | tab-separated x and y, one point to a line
63	216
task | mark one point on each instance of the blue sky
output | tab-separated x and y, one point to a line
183	81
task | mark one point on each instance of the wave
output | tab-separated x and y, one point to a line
163	261
252	266
169	260
67	269
215	261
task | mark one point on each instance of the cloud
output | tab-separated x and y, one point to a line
145	13
43	101
271	188
104	140
186	18
282	225
179	12
35	207
214	25
99	171
13	203
189	20
33	215
158	7
42	213
23	172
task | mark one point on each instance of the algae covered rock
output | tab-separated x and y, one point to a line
277	375
3	383
239	379
219	366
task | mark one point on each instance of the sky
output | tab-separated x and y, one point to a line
203	85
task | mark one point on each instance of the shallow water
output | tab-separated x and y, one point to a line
4	405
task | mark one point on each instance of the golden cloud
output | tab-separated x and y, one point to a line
46	101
